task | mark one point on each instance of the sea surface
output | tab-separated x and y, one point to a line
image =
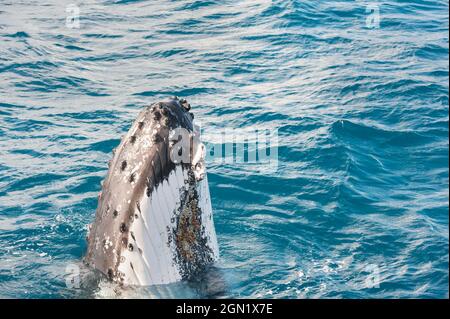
356	91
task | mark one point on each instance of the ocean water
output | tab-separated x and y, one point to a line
357	91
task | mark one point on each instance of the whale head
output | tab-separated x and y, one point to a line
153	223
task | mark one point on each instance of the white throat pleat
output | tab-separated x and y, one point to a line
151	257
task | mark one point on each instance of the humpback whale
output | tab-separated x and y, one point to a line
154	223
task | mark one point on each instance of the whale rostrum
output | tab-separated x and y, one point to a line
153	223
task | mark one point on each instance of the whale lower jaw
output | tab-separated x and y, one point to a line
175	243
153	223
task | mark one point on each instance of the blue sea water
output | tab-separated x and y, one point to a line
357	91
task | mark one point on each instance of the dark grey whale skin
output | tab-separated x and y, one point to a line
127	181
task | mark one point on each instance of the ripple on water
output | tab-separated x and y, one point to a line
361	185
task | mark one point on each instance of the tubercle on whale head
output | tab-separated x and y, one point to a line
172	113
183	102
